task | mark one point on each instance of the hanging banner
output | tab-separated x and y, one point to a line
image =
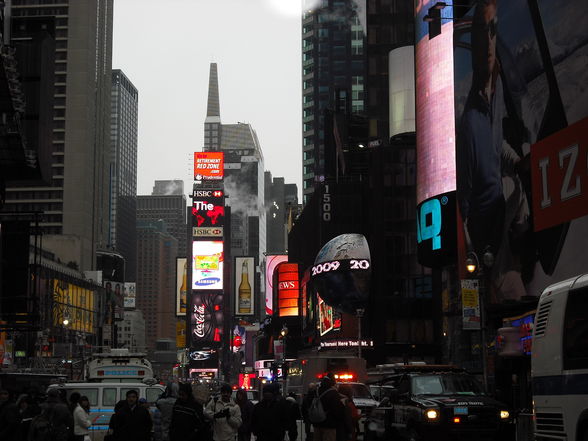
470	302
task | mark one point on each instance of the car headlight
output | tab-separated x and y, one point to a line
504	414
432	414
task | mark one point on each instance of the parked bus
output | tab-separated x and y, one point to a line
559	362
119	365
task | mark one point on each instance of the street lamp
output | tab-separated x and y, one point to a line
284	333
473	267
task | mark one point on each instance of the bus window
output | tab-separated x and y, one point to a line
124	390
109	397
91	393
575	353
152	394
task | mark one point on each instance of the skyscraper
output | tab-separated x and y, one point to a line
123	171
333	71
244	179
75	198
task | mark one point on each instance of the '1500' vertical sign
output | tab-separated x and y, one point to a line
559	171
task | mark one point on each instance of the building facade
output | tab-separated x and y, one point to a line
156	285
123	171
74	198
131	331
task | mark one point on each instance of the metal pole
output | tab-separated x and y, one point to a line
482	293
359	312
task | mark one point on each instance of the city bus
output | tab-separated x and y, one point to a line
119	365
559	362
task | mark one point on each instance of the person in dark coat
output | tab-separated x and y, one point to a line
270	416
294	415
131	422
54	413
246	406
9	418
334	408
187	421
306	402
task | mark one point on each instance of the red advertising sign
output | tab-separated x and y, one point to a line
288	290
245	380
559	170
208	166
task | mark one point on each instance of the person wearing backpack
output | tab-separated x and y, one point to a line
306	402
326	411
55	421
187	420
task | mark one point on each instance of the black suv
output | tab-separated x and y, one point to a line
438	403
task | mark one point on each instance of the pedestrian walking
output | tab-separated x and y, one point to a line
187	421
131	421
306	402
270	416
246	408
225	415
347	430
26	413
165	404
9	417
54	423
332	411
293	416
81	419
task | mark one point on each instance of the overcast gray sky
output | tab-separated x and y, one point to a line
165	47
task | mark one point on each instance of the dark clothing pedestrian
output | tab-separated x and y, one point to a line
131	423
270	417
306	402
9	421
293	417
187	421
334	410
55	417
244	432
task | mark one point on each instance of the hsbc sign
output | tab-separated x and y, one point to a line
207	231
207	194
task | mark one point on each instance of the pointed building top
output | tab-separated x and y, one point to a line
213	106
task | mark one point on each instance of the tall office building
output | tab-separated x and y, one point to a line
333	72
171	208
157	250
244	175
122	232
75	197
281	201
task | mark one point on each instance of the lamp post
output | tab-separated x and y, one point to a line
473	267
359	312
284	333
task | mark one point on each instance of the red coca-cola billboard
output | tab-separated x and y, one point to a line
206	319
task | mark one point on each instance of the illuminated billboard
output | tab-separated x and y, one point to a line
207	265
271	262
74	304
325	323
244	285
288	290
435	123
130	295
115	296
208	211
181	286
520	109
206	319
208	166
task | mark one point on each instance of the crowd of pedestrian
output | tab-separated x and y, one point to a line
179	415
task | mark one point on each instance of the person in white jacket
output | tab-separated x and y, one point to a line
82	422
225	415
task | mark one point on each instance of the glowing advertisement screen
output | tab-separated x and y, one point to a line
206	319
271	263
209	166
207	265
435	123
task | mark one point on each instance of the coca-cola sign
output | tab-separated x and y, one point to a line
206	319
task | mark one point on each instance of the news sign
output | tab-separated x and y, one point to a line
208	210
206	319
288	290
207	265
208	166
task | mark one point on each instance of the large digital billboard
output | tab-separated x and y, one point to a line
208	166
207	265
206	319
244	285
521	109
271	262
435	124
73	307
288	290
182	286
208	211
